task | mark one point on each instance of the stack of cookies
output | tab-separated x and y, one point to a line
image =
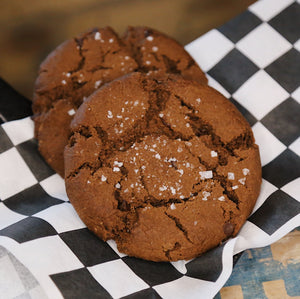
152	156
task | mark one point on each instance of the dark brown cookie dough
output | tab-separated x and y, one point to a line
81	65
166	167
157	53
69	74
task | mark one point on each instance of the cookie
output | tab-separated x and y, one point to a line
69	74
166	167
157	53
81	65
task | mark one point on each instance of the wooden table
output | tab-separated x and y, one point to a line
32	28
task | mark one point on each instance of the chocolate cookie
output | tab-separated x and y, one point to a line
81	65
156	53
166	167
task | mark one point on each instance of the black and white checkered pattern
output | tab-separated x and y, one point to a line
253	60
16	280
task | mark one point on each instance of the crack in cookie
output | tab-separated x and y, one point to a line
83	64
150	159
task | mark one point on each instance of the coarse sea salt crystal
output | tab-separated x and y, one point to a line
97	36
242	181
234	187
120	164
198	100
154	49
246	171
103	178
109	114
157	156
221	198
163	188
116	169
172	206
64	82
161	115
117	185
206	174
149	38
180	171
230	176
205	195
173	190
171	159
97	84
213	154
71	112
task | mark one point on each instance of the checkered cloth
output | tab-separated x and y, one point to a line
253	60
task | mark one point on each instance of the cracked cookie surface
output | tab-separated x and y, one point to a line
166	167
81	65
